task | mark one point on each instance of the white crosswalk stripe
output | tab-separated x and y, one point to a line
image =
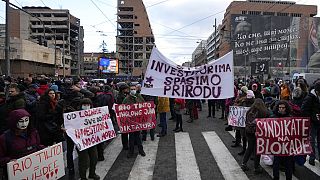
187	167
268	169
143	166
228	166
111	153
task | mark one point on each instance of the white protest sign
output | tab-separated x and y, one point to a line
45	164
210	81
237	116
89	127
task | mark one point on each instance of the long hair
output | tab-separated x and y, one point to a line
260	107
283	102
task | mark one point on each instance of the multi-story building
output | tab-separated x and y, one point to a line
135	39
269	22
213	43
91	62
199	55
55	28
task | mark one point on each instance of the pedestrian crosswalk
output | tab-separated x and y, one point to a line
187	166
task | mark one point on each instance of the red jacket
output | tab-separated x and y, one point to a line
42	89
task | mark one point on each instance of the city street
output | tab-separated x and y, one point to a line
202	151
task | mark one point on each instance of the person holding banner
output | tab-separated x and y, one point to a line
20	140
282	109
123	93
134	137
89	155
257	110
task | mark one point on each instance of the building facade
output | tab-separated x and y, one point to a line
213	44
135	39
199	55
54	28
239	19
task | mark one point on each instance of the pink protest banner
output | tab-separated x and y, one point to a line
283	136
45	164
237	116
136	117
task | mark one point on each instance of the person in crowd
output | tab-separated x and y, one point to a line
311	108
239	102
285	91
301	83
72	95
43	86
281	110
105	98
222	103
153	99
123	93
257	93
163	108
134	137
172	111
297	98
3	121
55	88
275	90
257	110
20	139
178	107
32	99
193	110
49	125
16	99
211	108
90	155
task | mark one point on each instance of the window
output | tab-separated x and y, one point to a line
136	24
282	14
243	12
296	14
268	13
254	12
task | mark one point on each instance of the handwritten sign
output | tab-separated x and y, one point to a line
89	127
283	136
136	117
45	164
237	116
210	81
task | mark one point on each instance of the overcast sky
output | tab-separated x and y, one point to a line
177	24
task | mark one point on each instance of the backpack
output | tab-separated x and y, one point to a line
295	109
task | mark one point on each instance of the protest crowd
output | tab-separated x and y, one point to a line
32	117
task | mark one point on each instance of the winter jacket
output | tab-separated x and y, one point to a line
163	104
31	101
179	105
15	102
251	116
121	97
133	99
285	93
311	107
13	146
104	99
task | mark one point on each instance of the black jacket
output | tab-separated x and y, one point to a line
311	107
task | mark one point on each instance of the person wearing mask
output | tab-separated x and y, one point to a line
49	126
311	108
134	137
123	93
163	108
257	110
20	139
90	155
281	110
178	107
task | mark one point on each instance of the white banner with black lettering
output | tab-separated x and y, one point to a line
210	81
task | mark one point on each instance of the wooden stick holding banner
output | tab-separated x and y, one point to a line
45	164
89	127
283	136
136	117
237	116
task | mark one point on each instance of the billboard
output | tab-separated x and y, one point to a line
281	41
107	65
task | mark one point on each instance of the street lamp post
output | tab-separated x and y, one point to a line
7	41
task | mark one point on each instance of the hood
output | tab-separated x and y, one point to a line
14	117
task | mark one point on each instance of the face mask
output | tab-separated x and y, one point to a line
133	92
85	107
23	123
